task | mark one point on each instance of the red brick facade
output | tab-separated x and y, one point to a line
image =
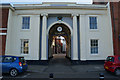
3	29
115	15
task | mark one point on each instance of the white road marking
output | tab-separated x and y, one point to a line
1	77
26	75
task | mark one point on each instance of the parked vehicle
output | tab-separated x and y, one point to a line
112	64
13	65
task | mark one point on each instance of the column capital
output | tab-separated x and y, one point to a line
44	14
74	14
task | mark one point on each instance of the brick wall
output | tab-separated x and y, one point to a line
3	29
115	15
119	26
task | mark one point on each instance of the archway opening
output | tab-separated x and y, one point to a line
59	41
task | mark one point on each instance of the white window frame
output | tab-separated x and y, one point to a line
22	22
3	28
3	34
94	46
22	47
89	22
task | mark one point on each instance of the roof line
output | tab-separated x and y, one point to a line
7	5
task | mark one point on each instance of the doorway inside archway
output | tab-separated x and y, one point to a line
59	41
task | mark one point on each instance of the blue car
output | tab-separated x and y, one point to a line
13	65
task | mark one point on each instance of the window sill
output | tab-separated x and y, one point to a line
25	30
94	54
94	30
25	54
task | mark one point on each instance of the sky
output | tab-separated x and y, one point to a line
40	1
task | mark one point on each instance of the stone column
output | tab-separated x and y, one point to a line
83	41
44	37
75	38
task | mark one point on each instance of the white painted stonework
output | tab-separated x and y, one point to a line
41	13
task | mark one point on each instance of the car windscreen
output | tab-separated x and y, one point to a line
111	59
21	59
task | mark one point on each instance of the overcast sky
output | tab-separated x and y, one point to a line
34	1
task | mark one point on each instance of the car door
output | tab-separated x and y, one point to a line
7	61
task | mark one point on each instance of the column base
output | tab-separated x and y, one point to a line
43	59
75	59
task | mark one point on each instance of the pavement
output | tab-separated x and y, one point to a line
61	68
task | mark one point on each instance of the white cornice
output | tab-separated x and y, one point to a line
3	33
54	5
63	7
3	28
9	6
58	2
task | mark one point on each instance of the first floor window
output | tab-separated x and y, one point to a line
25	22
93	22
24	46
94	46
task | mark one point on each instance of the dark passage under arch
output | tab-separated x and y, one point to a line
59	40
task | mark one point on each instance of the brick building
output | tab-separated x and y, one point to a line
4	11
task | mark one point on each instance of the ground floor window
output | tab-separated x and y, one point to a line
24	46
94	46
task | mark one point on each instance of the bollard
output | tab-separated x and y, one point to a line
101	76
51	76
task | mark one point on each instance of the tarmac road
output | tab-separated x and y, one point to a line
62	69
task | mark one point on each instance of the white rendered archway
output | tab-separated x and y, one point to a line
69	53
59	22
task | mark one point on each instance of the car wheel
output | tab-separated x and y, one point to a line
117	72
13	72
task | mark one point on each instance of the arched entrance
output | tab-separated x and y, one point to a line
59	40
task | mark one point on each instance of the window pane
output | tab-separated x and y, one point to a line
90	26
95	19
92	50
90	20
24	46
93	22
94	46
95	26
26	22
